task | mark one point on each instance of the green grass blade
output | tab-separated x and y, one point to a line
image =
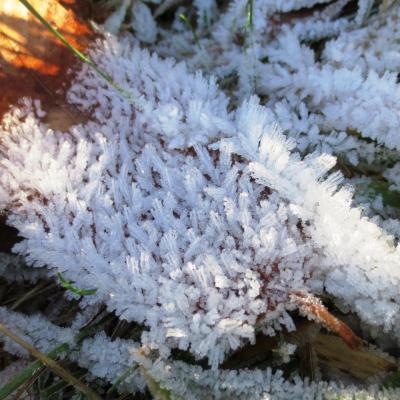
389	197
54	389
74	289
185	19
249	10
57	387
392	382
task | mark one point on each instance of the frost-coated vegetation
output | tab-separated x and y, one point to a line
212	207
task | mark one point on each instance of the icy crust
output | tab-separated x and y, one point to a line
109	360
199	223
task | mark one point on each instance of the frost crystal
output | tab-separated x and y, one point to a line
197	222
206	211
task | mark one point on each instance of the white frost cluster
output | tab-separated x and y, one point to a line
320	97
183	241
197	222
202	214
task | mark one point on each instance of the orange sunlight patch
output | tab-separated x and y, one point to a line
33	62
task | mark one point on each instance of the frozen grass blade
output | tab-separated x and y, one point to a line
83	57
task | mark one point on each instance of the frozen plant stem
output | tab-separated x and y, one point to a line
125	93
155	388
50	363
